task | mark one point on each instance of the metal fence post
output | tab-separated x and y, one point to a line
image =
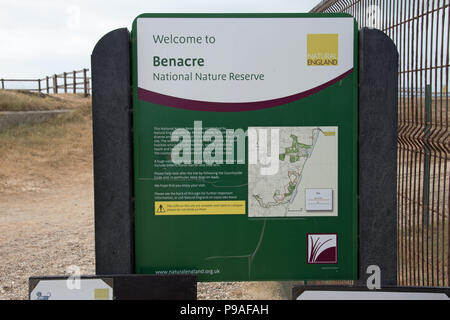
426	172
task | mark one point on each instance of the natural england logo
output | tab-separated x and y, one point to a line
322	49
322	248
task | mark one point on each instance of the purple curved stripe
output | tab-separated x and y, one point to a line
327	256
165	100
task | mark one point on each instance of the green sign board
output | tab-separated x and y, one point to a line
245	146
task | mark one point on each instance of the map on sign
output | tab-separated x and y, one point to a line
306	180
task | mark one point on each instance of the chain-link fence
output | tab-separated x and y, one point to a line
420	30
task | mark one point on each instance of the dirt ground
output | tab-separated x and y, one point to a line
47	210
43	232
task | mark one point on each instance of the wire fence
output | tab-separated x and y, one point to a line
77	81
420	30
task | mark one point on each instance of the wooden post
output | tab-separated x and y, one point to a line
3	84
39	85
85	80
55	84
74	82
65	82
111	117
48	85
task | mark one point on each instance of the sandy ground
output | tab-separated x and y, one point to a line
46	232
43	233
47	213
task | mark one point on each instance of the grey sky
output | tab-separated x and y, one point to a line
43	37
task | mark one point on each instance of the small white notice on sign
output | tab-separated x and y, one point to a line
319	200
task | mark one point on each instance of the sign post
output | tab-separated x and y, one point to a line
245	130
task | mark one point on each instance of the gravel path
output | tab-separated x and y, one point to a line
45	231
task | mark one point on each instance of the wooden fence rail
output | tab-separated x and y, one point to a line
74	81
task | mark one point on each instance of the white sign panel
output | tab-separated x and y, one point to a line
319	199
370	295
68	289
236	60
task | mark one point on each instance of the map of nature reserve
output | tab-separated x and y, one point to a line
306	181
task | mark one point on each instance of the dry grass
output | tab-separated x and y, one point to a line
28	152
17	100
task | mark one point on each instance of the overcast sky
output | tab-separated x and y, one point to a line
43	37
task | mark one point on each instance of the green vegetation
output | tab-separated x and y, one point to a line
296	151
290	189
